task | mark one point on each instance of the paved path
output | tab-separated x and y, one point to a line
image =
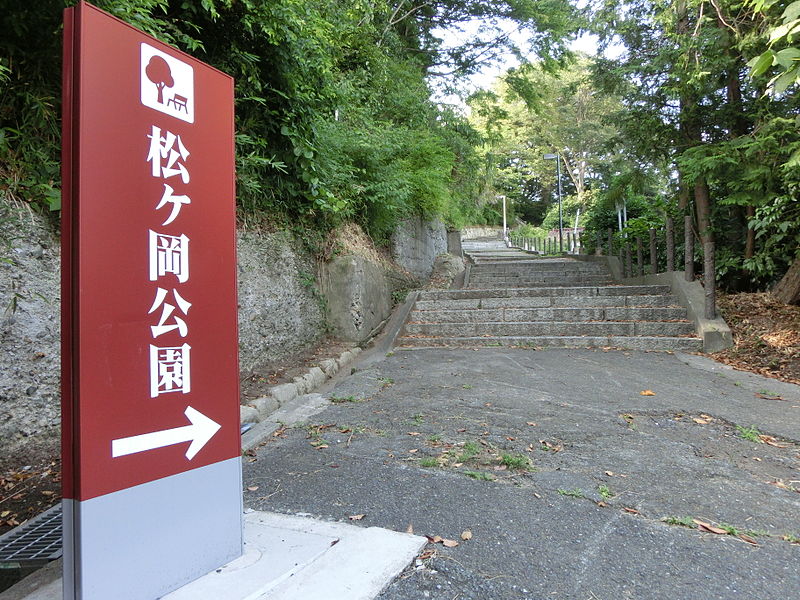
418	439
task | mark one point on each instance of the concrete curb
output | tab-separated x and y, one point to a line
715	333
259	409
290	407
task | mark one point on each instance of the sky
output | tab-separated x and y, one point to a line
587	44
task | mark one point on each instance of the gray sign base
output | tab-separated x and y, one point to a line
148	540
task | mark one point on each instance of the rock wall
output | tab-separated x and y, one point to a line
470	233
280	314
417	243
30	354
358	294
280	309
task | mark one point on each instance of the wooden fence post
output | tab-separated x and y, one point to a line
639	257
628	265
670	244
653	255
688	259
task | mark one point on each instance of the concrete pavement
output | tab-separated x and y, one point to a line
572	483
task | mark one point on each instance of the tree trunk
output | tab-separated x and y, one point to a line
788	289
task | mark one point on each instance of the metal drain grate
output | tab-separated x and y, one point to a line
34	543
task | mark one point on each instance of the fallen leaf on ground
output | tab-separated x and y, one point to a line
710	528
413	433
601	504
500	468
700	421
510	439
531	423
466	535
537	495
609	473
356	517
770	440
450	543
321	446
413	450
748	539
767	397
633	511
410	529
462	430
426	555
252	488
647	393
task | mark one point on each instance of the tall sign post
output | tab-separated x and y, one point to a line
151	443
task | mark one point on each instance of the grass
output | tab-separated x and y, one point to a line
518	462
479	475
386	380
467	386
436	437
428	462
470	451
343	399
749	433
576	493
418	419
682	521
605	492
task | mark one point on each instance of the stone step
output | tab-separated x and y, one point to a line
549	328
578	291
548	301
538	276
535	266
515	315
565	283
673	344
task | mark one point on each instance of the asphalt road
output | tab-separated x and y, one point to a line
572	483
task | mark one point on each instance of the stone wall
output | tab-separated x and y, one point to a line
358	294
30	354
470	233
417	243
280	309
283	296
280	314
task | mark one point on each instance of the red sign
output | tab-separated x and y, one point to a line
151	379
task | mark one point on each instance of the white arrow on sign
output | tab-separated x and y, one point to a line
199	432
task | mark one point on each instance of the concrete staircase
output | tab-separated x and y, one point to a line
515	299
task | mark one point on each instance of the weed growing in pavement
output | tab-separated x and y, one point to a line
605	492
386	380
344	399
791	538
479	475
418	419
576	493
749	433
682	521
428	462
436	437
469	451
467	386
518	462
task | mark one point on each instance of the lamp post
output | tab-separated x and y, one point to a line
505	227
557	158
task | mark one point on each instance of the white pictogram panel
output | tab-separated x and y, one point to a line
167	84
